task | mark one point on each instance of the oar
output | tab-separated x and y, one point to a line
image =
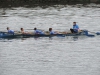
29	29
98	33
91	32
33	29
86	33
3	32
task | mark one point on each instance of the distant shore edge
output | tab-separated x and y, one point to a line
15	3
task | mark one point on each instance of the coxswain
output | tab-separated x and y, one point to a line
75	28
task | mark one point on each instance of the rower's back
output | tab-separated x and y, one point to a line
51	32
36	31
10	31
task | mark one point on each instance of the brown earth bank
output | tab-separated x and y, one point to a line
16	3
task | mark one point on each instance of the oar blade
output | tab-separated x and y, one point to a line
98	33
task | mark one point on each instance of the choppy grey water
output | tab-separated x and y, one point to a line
50	56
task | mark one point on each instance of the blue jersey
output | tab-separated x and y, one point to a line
38	32
52	32
11	31
75	27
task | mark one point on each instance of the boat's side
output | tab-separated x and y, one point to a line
83	32
42	35
18	35
7	35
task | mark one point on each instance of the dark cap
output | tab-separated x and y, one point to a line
21	28
74	22
35	28
50	29
7	27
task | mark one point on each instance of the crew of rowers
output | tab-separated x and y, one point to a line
75	29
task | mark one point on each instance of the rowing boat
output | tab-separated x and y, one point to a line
7	35
17	35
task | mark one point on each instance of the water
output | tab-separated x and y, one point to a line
50	56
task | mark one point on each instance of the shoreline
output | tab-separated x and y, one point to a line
31	3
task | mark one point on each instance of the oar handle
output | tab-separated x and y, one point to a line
33	29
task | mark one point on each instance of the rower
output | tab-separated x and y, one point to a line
23	32
10	31
75	28
36	31
52	32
